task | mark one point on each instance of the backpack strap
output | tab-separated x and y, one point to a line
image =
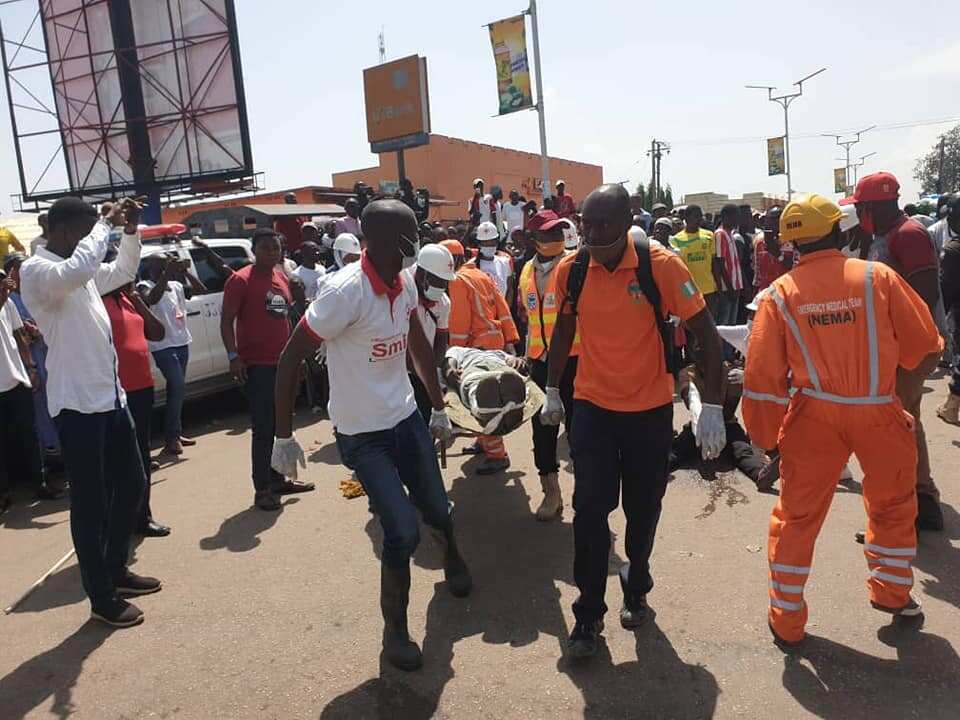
576	278
652	292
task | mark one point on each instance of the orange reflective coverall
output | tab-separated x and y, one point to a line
820	383
479	315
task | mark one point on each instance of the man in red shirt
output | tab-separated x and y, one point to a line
564	203
903	244
257	300
770	258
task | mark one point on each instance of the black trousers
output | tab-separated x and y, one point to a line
738	450
20	452
545	436
106	488
259	390
616	453
140	403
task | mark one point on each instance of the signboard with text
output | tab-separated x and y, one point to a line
397	104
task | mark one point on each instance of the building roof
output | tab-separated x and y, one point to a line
285	210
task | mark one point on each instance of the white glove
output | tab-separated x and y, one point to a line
711	432
552	412
287	454
440	426
695	405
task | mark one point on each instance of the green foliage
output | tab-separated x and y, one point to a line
927	169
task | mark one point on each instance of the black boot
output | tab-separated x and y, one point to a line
455	570
398	648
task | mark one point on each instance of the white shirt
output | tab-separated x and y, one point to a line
939	234
171	310
498	269
310	278
12	370
513	216
366	338
38	242
64	297
434	318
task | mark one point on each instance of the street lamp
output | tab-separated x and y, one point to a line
846	145
784	101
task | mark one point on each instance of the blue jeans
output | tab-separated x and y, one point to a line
388	461
172	363
107	482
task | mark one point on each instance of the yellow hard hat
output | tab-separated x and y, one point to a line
808	218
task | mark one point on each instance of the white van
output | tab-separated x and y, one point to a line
208	370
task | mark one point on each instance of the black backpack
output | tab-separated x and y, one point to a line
578	275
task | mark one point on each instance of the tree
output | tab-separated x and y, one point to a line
642	194
668	197
927	170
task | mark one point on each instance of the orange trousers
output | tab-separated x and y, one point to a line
816	439
492	446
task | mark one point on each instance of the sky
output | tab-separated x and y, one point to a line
616	75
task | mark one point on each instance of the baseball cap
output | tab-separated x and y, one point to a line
665	222
877	187
658	206
543	221
478	181
560	182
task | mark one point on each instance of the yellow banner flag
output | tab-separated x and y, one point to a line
776	158
840	180
509	40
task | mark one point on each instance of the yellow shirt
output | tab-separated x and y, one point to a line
8	240
697	251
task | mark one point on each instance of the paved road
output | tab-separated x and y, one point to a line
276	615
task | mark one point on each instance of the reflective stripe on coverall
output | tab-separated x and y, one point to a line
837	329
479	314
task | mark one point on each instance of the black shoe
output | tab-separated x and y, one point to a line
492	466
291	487
929	515
584	641
634	612
130	585
117	613
152	528
787	646
266	500
474	449
399	650
47	492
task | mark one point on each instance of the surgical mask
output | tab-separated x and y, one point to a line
488	251
433	293
409	260
552	249
546	265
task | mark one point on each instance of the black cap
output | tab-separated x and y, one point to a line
69	209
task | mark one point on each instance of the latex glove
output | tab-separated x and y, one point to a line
696	406
440	426
287	454
711	432
552	412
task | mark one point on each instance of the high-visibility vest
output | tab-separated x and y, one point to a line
541	312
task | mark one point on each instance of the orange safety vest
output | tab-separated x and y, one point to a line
541	312
479	316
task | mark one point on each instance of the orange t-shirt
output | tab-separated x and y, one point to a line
622	367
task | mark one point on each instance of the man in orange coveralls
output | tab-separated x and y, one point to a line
838	328
480	318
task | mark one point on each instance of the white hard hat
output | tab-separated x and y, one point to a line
849	220
487	231
571	238
347	243
436	260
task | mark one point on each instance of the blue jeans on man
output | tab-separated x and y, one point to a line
172	363
398	469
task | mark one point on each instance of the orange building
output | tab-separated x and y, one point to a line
447	167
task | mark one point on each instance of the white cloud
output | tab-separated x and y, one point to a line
942	61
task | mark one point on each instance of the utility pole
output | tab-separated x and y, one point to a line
846	145
382	46
655	153
784	101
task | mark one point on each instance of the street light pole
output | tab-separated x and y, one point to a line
846	145
784	101
544	158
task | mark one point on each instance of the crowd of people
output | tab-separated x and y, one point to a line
822	320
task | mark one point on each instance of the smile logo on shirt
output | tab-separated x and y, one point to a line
388	348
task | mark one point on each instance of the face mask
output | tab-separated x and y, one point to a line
408	260
546	266
433	293
550	250
488	251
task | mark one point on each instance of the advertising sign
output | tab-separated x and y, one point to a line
397	103
509	40
840	180
776	158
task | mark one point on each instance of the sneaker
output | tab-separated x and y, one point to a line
912	609
634	612
584	641
131	584
290	487
117	613
187	442
266	500
929	514
492	466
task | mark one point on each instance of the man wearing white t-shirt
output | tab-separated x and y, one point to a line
367	316
513	213
310	271
435	270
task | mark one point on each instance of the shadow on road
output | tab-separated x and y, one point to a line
51	674
240	532
833	681
26	511
62	588
937	555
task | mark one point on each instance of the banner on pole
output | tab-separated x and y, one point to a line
776	158
840	180
509	40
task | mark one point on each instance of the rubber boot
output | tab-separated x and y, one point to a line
949	411
551	507
398	648
455	570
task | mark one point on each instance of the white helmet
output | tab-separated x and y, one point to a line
436	260
850	219
345	244
487	231
571	238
